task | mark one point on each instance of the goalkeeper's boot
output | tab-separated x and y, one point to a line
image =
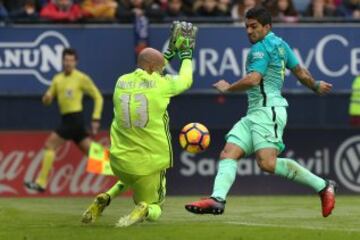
34	186
327	196
96	208
137	215
207	206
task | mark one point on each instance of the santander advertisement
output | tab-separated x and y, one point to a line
20	161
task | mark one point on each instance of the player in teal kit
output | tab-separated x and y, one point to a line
261	130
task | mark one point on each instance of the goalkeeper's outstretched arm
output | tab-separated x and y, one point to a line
186	74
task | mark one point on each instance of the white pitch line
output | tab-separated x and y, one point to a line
294	227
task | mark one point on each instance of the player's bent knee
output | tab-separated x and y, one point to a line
227	155
266	164
154	212
231	151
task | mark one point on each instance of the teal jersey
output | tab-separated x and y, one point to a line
140	137
269	57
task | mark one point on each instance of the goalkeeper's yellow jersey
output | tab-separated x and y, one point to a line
140	137
69	91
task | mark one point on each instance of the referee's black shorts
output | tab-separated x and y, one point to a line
72	127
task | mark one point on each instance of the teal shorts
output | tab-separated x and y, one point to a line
261	128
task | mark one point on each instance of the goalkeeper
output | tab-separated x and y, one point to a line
141	149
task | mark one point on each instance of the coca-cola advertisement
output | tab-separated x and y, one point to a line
20	161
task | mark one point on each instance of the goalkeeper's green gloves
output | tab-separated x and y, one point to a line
185	43
170	52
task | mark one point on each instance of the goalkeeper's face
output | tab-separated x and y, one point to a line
255	30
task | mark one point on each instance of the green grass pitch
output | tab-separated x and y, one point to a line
282	217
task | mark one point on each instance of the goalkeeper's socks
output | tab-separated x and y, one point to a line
154	212
291	170
225	178
117	189
47	163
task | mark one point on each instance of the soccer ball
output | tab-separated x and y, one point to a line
194	138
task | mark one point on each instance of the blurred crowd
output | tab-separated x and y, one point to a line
161	10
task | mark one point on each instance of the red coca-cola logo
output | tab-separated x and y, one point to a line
20	160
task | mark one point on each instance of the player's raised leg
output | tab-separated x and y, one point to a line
52	143
224	180
101	201
268	161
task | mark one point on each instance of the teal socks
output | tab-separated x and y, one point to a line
291	170
285	167
225	178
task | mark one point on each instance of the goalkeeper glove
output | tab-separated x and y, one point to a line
185	43
174	34
169	54
185	49
185	54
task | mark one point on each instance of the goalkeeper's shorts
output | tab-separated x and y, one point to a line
148	188
261	128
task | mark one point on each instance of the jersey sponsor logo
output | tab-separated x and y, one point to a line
40	58
347	163
257	55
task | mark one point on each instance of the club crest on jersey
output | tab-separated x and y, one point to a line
41	58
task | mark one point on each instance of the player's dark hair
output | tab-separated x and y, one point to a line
261	14
70	51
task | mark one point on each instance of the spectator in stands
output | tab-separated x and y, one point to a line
27	12
188	6
225	7
3	11
350	8
208	8
163	4
100	9
283	10
321	8
129	9
18	5
240	8
62	10
175	9
338	2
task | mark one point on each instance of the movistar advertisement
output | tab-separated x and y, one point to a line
30	56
